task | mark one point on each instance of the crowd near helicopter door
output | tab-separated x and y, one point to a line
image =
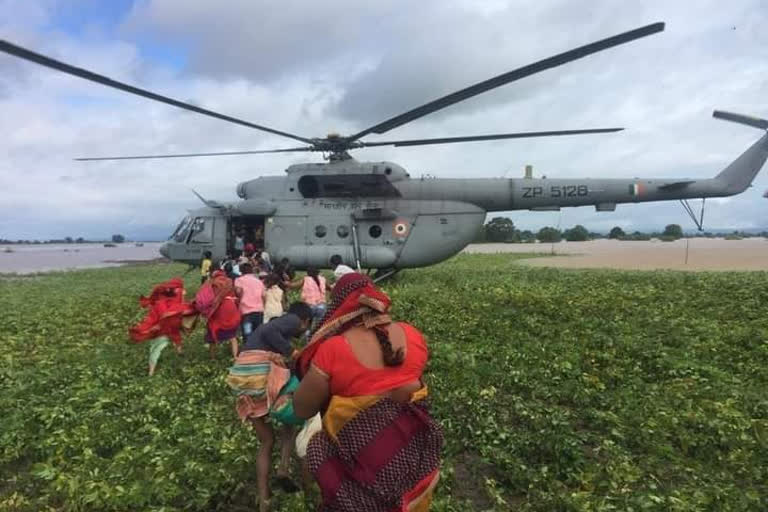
245	231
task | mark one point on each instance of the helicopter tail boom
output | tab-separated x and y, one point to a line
738	176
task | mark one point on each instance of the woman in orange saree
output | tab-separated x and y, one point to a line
379	448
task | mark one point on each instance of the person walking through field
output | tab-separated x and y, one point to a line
168	315
378	447
274	298
264	386
205	267
313	292
250	293
216	299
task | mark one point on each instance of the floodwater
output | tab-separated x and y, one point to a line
700	254
25	259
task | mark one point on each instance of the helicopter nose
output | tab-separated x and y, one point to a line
164	250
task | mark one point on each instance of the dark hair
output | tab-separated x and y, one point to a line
313	273
271	280
391	357
301	310
207	254
336	260
246	268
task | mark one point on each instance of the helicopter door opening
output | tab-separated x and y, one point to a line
243	231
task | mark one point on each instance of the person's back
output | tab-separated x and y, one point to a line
355	366
273	302
313	290
251	294
365	374
276	335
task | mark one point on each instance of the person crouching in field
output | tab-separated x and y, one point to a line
216	299
167	316
264	386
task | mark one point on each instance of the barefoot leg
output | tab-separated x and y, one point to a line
263	459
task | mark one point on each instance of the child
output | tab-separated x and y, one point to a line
205	266
264	386
167	316
273	298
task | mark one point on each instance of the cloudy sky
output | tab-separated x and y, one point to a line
312	68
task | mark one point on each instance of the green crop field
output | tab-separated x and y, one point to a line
558	390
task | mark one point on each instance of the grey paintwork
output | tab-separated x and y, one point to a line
432	219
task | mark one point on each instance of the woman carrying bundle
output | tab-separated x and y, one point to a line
379	448
167	316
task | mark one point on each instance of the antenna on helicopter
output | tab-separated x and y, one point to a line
337	146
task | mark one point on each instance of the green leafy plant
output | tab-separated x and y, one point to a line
557	390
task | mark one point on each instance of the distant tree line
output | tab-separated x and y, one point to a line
118	239
502	230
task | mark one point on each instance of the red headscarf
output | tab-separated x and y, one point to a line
355	300
175	286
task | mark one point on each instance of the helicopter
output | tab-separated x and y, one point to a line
374	214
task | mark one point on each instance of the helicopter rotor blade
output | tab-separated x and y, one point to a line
511	76
48	62
186	155
755	122
496	136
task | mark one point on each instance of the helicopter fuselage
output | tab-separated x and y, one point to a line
374	215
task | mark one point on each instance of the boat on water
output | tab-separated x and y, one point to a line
110	245
139	244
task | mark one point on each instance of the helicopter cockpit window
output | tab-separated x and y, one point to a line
202	231
181	231
347	185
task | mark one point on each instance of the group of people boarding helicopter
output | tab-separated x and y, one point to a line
340	381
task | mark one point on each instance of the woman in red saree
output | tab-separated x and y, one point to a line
224	315
167	316
379	448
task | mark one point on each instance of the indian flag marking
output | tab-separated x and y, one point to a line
636	189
